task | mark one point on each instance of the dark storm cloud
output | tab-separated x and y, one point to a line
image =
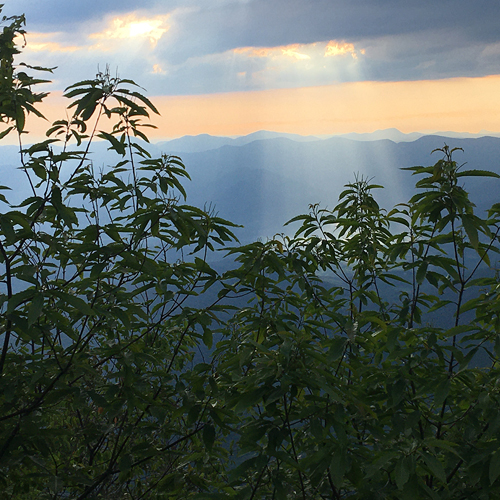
200	51
281	22
224	24
57	15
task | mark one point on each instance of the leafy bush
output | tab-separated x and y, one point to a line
98	392
334	380
348	387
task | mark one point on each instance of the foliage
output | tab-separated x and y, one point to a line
351	387
99	396
356	359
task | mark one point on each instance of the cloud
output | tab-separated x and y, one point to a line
182	47
46	42
158	69
220	25
292	51
271	23
131	26
52	15
202	46
258	68
122	29
303	51
255	51
273	52
334	49
126	43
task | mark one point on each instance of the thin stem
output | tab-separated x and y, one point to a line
8	326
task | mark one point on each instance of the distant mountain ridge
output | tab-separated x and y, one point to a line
206	142
264	183
265	179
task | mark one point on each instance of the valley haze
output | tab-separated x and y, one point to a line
264	179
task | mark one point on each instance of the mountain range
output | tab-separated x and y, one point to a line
264	179
264	183
205	142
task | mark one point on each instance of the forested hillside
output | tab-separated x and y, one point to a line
263	184
267	181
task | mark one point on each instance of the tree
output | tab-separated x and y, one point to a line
334	380
346	384
99	394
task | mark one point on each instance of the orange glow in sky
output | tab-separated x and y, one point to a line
130	27
458	104
339	49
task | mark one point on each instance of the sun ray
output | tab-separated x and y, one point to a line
133	27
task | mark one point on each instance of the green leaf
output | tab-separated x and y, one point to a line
422	271
338	467
7	229
116	145
19	298
208	337
442	391
35	309
401	473
20	118
56	198
248	399
125	463
494	470
209	436
471	230
435	466
444	445
477	173
6	132
97	269
76	302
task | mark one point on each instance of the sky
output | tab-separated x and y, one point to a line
313	67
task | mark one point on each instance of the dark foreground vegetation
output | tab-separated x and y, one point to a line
130	370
